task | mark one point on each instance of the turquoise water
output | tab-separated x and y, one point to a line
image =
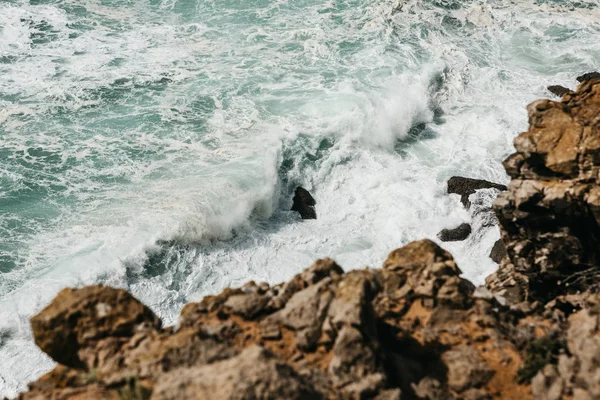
154	145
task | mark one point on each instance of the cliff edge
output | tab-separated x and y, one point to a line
412	329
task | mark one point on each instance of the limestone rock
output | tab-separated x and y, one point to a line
78	318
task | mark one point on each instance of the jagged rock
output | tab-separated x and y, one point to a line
459	233
467	186
305	311
79	318
357	364
498	251
254	374
547	215
558	90
588	76
304	203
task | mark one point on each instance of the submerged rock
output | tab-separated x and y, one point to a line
467	186
304	203
461	232
558	90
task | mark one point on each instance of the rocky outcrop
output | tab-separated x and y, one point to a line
413	329
304	203
461	232
558	90
588	76
549	215
467	186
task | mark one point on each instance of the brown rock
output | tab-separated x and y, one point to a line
466	368
254	374
78	318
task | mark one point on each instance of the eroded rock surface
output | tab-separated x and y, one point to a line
550	213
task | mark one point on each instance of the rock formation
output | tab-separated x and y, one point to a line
498	251
461	232
588	77
413	329
304	203
558	90
467	186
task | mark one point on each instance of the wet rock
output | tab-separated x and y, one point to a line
588	76
498	251
304	203
558	90
547	215
467	186
254	374
459	233
79	318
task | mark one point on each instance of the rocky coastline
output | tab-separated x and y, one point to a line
412	329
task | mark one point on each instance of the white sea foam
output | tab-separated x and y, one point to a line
187	121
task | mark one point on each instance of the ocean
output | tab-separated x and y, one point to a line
154	145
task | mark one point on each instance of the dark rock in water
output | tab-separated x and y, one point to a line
304	204
498	251
461	232
588	77
558	90
467	186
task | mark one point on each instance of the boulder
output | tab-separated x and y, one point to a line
558	90
459	233
467	186
79	318
498	251
588	76
304	203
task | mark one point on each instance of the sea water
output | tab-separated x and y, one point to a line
154	145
